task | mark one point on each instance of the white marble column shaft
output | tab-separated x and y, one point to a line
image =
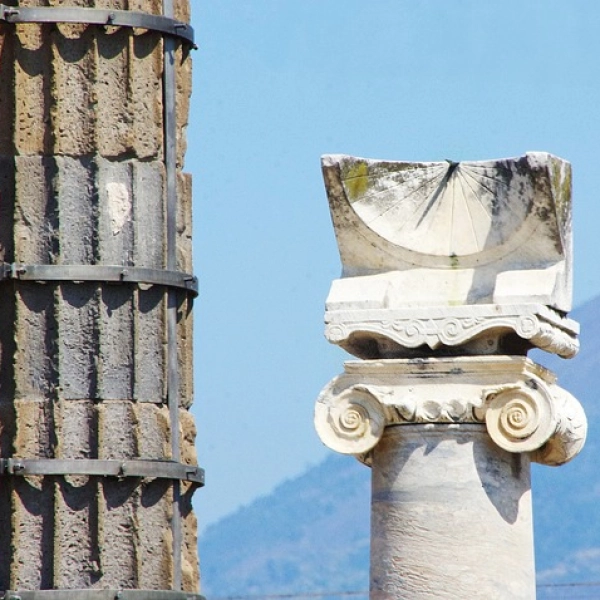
451	516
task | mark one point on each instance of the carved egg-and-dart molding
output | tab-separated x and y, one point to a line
520	403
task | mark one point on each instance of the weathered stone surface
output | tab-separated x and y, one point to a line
123	527
464	232
95	211
519	401
79	90
83	369
32	81
75	188
451	516
477	329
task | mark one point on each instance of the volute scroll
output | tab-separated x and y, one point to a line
541	419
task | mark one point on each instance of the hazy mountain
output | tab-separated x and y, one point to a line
312	533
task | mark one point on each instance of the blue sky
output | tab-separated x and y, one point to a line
277	83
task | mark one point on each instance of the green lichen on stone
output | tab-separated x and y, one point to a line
454	261
356	180
561	188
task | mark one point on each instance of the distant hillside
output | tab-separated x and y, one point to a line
312	533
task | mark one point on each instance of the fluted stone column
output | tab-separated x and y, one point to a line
452	272
84	364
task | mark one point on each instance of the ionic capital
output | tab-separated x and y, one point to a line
517	400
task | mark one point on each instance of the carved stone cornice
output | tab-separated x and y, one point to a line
434	327
517	400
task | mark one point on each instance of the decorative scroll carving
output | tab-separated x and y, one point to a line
351	422
538	418
542	327
519	403
570	434
520	418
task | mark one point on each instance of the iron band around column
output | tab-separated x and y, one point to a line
99	595
147	469
100	273
97	16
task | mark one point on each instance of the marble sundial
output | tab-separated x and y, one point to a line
450	251
441	209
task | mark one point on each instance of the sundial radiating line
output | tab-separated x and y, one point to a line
389	177
476	196
409	219
364	202
404	175
499	198
463	182
494	179
486	166
395	204
392	186
409	171
438	191
427	184
478	201
452	180
481	184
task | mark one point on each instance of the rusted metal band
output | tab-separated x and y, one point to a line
100	273
97	16
147	469
99	595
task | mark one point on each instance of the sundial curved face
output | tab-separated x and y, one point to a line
443	208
